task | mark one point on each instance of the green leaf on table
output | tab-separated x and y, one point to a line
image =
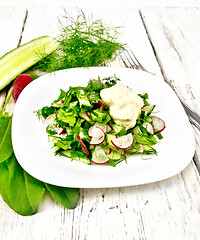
5	137
67	197
18	189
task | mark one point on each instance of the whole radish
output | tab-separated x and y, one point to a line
19	84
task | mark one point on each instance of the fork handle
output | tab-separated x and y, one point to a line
193	117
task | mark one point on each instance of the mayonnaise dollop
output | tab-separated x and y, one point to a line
124	103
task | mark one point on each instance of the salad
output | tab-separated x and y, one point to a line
80	127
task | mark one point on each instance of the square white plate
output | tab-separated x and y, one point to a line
33	151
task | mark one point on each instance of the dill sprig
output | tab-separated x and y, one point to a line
82	43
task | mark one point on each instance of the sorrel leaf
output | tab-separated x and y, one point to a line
5	138
67	197
18	189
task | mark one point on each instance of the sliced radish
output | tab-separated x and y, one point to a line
88	114
85	115
99	156
148	127
148	109
103	105
106	128
90	131
58	130
83	145
141	148
158	124
123	142
97	134
103	127
63	131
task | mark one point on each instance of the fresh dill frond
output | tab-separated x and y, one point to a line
38	113
110	81
82	43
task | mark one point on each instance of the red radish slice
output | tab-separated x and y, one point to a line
123	142
58	130
99	156
98	136
103	127
50	120
141	148
62	131
87	113
103	105
158	123
90	130
148	127
106	128
83	145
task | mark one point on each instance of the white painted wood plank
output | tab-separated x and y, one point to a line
153	211
175	36
165	210
42	21
11	22
132	33
174	33
11	19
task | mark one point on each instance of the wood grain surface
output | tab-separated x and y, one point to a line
166	41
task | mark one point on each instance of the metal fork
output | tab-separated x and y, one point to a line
130	61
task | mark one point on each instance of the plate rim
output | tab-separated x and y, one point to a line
98	69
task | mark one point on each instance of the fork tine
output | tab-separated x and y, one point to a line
140	65
126	59
131	60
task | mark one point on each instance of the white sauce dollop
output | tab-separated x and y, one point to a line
124	103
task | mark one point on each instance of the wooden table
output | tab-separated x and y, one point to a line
167	42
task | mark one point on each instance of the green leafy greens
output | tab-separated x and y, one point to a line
75	112
5	136
19	190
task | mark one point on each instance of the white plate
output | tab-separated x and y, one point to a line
34	154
